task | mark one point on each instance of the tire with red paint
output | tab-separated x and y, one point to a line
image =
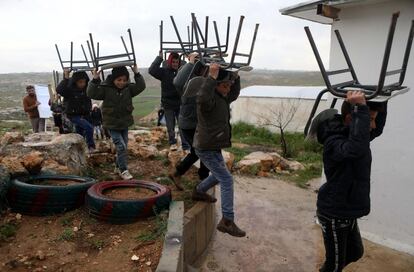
123	211
33	199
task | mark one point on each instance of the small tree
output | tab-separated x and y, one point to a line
280	116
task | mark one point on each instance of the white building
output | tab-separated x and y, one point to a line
364	27
265	102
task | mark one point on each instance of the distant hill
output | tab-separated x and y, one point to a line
12	86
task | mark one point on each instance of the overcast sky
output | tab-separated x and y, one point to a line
30	28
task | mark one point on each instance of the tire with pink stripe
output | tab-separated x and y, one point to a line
123	211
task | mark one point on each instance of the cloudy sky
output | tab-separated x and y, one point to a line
30	28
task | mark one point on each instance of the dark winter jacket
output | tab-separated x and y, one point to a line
170	98
96	117
347	164
76	102
213	130
117	105
188	111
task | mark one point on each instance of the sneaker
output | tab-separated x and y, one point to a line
125	175
176	178
228	226
201	196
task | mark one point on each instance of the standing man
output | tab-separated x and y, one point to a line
170	99
347	164
213	133
30	105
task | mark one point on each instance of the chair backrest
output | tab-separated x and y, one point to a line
110	61
75	65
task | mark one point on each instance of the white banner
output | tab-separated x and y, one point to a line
43	96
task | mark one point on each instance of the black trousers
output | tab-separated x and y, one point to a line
343	242
191	158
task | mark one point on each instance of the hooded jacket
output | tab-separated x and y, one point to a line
347	164
213	130
117	104
77	103
170	99
188	110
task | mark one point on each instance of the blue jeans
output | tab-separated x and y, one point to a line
214	161
120	140
84	128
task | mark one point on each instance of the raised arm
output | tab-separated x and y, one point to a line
139	85
62	87
182	76
155	70
95	90
357	144
206	96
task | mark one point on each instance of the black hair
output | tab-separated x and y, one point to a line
346	107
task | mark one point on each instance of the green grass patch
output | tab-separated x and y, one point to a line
301	177
238	153
249	134
165	161
306	152
20	126
159	230
67	221
67	235
7	230
146	102
97	244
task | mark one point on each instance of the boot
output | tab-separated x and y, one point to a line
201	196
228	226
176	178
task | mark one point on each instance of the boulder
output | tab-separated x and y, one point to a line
11	137
229	159
158	135
53	167
33	162
142	151
291	165
256	161
66	150
164	153
276	158
13	165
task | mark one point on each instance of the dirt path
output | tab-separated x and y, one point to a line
282	236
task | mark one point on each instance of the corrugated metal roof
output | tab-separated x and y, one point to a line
302	92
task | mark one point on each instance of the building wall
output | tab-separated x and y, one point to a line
256	110
364	30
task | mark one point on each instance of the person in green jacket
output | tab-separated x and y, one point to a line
117	93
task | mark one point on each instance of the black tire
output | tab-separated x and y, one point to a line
120	211
26	198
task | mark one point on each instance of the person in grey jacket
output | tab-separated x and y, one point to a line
187	123
213	133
